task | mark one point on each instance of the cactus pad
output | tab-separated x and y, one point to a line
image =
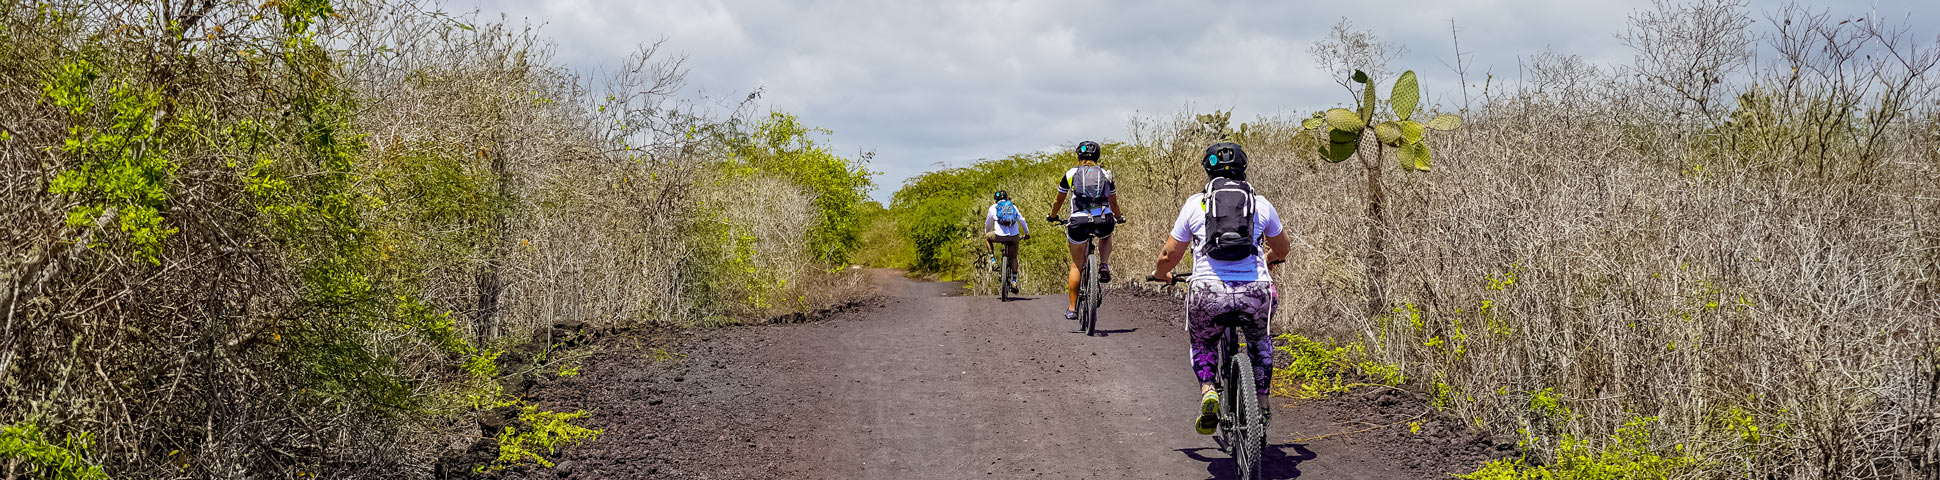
1407	92
1411	132
1336	152
1413	156
1445	122
1344	119
1388	133
1367	104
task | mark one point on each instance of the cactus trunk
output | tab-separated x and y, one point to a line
1377	237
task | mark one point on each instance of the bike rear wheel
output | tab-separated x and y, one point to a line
1088	300
1003	282
1245	429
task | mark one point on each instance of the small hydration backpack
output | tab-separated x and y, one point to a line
1088	187
1007	213
1229	220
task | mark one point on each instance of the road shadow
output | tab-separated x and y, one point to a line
1282	461
1017	299
1107	333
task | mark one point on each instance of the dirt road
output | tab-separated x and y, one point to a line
925	383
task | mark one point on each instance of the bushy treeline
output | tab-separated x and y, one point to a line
1704	264
938	216
296	238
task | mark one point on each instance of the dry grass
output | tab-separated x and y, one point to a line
446	189
1775	268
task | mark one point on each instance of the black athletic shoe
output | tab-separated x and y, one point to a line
1070	314
1104	274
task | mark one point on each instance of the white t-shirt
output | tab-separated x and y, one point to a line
1190	227
1016	228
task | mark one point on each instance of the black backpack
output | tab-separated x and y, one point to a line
1088	187
1229	220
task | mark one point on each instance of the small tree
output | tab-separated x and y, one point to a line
1345	128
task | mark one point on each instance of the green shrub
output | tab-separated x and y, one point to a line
1629	455
1317	369
64	461
122	169
783	146
548	431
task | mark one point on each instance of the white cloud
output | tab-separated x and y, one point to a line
927	82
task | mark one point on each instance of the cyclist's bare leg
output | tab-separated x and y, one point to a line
1077	266
1104	251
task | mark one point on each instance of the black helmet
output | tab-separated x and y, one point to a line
1088	150
1000	196
1225	160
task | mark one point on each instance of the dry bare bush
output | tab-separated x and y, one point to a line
248	240
1758	273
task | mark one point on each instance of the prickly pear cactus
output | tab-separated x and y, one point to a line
1345	127
1218	124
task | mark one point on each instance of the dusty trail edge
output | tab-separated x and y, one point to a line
923	381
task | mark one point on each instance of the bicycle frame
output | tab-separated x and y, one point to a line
1090	294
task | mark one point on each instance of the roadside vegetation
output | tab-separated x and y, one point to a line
1704	263
310	238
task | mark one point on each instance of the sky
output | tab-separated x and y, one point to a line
934	84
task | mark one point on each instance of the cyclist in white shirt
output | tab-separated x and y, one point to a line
1217	287
1004	223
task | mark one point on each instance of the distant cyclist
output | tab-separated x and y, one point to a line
1094	214
1003	223
1225	227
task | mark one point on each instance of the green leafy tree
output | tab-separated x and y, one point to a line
783	146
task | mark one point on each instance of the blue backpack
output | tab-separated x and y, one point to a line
1007	214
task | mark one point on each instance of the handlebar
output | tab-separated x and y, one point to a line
1176	278
1061	221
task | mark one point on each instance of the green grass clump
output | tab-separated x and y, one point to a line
549	431
1317	369
64	461
1629	456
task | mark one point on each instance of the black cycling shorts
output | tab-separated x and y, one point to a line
1081	229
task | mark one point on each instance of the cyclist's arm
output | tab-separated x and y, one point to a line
1113	200
989	226
1169	258
1277	244
1057	206
1277	248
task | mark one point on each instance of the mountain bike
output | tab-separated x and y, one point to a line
1089	294
1006	270
1242	420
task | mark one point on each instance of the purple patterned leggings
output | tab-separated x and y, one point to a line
1206	299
